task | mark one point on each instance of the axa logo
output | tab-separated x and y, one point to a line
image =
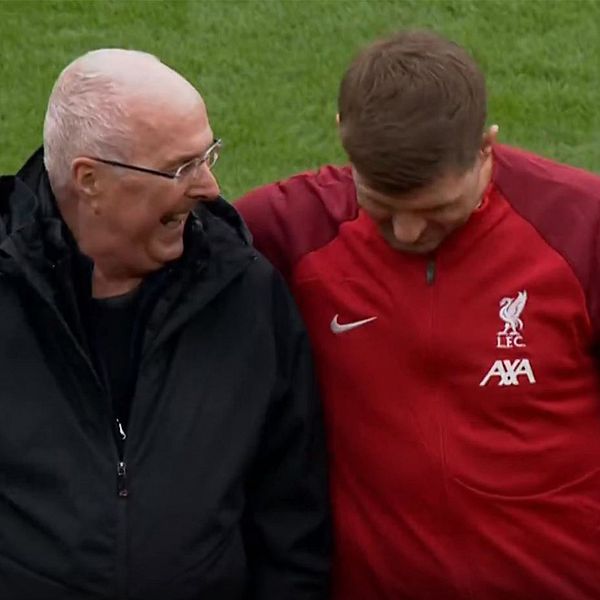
511	310
508	372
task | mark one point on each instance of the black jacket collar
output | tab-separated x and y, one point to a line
34	240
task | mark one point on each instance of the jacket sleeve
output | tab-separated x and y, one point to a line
287	521
267	213
293	217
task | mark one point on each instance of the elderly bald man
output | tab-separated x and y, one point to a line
160	434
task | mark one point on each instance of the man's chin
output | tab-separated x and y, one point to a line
167	252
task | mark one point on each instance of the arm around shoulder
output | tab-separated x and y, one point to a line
295	216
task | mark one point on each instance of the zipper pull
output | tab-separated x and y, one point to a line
122	490
430	274
121	430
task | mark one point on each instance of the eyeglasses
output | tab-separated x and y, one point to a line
188	170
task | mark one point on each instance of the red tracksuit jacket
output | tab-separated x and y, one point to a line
461	391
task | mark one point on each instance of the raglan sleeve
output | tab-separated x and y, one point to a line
266	211
287	522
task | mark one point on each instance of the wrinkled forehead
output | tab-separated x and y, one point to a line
165	130
447	189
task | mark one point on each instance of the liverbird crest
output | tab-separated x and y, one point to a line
510	312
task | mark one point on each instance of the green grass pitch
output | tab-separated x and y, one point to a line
269	69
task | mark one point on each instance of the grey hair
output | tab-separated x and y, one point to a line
88	110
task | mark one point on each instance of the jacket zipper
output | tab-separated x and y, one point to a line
122	490
460	571
119	436
122	495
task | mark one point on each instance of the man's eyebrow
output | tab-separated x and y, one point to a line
182	159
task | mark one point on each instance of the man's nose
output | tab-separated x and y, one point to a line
408	228
203	185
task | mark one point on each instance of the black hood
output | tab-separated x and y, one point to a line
32	234
18	206
20	197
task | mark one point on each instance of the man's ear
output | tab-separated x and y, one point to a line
86	179
489	138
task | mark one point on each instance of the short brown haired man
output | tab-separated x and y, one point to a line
450	288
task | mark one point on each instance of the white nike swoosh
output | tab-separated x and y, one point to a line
337	327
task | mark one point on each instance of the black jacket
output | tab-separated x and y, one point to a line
220	491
